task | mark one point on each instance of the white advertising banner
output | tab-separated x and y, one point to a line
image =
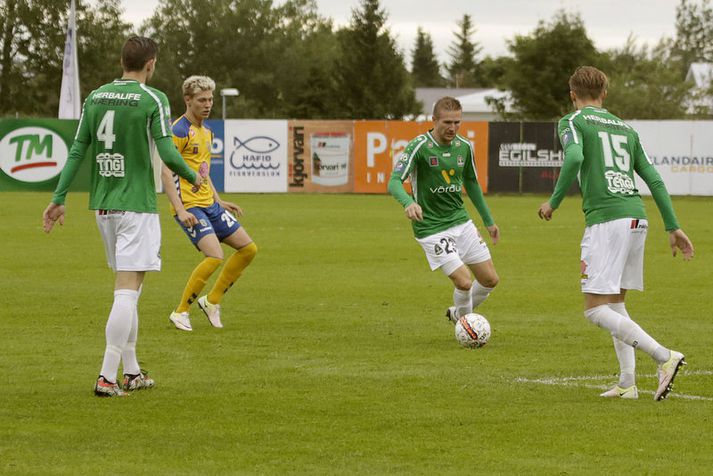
255	156
682	152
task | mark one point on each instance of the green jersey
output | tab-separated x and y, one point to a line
605	152
438	174
119	125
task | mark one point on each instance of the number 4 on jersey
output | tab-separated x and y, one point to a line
105	132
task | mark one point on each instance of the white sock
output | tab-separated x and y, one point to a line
128	353
627	331
462	302
479	293
118	328
625	353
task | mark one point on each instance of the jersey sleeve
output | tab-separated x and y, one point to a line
82	140
646	170
474	191
571	139
180	134
160	119
403	168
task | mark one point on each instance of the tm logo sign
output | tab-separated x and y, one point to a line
32	154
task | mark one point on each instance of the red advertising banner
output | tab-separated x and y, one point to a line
377	145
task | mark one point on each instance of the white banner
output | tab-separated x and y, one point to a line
682	152
70	104
255	156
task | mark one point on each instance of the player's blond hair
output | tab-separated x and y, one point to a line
446	103
588	82
197	84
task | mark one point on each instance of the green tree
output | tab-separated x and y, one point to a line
694	34
32	36
463	68
425	70
542	64
273	55
645	84
371	76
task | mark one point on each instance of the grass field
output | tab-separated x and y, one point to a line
336	358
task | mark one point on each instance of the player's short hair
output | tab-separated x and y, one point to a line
197	84
446	103
588	82
136	52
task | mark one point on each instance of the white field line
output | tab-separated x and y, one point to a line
578	381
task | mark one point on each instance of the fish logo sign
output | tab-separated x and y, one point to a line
256	153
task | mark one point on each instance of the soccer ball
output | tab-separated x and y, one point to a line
472	330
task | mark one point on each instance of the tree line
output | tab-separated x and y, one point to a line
289	61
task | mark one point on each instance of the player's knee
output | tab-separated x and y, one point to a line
249	251
490	281
464	284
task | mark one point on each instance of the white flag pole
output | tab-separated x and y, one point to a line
69	100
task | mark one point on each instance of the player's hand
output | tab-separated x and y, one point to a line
545	212
51	215
232	208
414	212
188	219
678	239
494	233
198	183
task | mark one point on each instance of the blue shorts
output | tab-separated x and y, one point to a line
211	220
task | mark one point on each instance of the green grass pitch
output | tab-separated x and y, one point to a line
336	357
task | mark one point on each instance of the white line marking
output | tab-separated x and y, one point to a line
577	381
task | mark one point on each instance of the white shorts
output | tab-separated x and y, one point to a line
132	240
613	256
451	248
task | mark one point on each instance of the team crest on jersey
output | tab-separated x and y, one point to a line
195	149
460	161
433	160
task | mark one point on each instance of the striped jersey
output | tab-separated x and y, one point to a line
194	143
119	123
437	173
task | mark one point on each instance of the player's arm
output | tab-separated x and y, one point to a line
571	140
646	170
169	155
475	194
406	163
230	206
169	186
55	210
161	132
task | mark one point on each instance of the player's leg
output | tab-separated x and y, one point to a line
442	253
474	251
229	231
213	257
462	301
245	251
625	354
203	237
604	256
135	378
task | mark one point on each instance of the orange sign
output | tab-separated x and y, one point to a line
378	144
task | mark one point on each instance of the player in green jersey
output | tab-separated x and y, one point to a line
605	152
121	124
440	163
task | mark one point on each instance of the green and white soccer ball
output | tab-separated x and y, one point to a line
472	331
